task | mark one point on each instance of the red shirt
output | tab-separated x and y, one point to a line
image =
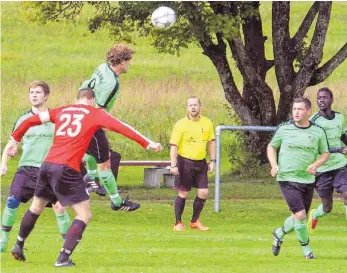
75	125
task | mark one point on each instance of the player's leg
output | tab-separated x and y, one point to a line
8	219
74	234
115	160
305	193
27	225
201	183
183	184
340	185
324	188
63	218
91	165
21	191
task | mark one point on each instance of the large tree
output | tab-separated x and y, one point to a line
217	27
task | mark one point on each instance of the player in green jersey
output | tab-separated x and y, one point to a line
303	148
36	144
333	173
100	158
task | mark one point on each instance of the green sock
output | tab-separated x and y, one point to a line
8	219
109	182
346	211
301	231
287	227
63	223
92	167
319	212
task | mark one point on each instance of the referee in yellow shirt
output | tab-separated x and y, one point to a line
189	140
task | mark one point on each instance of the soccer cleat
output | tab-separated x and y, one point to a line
310	256
3	246
93	185
126	205
18	253
311	222
67	263
276	245
198	225
179	227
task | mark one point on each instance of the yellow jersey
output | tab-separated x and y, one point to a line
191	137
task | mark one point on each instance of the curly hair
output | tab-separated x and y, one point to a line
42	84
118	53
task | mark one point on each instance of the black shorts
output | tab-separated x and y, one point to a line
99	147
327	181
60	183
298	196
24	183
192	173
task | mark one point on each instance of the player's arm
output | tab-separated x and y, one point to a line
323	148
271	151
126	130
4	160
212	151
175	140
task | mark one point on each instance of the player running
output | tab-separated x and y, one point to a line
303	148
59	177
333	173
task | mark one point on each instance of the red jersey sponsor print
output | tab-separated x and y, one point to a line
75	125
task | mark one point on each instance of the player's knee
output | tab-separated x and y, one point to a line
115	156
328	207
183	194
203	193
300	215
105	166
58	209
12	202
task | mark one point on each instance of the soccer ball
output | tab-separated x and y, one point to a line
163	17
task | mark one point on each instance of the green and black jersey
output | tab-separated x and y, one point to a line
36	142
105	85
299	148
334	129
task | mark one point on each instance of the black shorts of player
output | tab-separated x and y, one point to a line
60	183
99	147
327	181
192	173
298	195
24	183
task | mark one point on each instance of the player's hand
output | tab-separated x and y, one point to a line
211	167
312	169
12	149
174	170
156	147
274	171
3	170
344	150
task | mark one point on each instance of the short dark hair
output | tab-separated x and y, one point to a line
85	93
194	97
326	89
118	53
306	101
42	84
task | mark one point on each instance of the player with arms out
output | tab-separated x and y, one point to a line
333	173
36	143
100	160
303	148
59	177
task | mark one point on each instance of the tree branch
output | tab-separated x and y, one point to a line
315	51
297	40
324	72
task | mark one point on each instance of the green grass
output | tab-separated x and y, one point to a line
142	241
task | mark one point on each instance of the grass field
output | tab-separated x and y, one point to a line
142	241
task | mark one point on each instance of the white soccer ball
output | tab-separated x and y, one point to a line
163	17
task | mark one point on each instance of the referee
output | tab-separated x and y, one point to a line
190	137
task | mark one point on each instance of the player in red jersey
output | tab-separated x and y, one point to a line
59	177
